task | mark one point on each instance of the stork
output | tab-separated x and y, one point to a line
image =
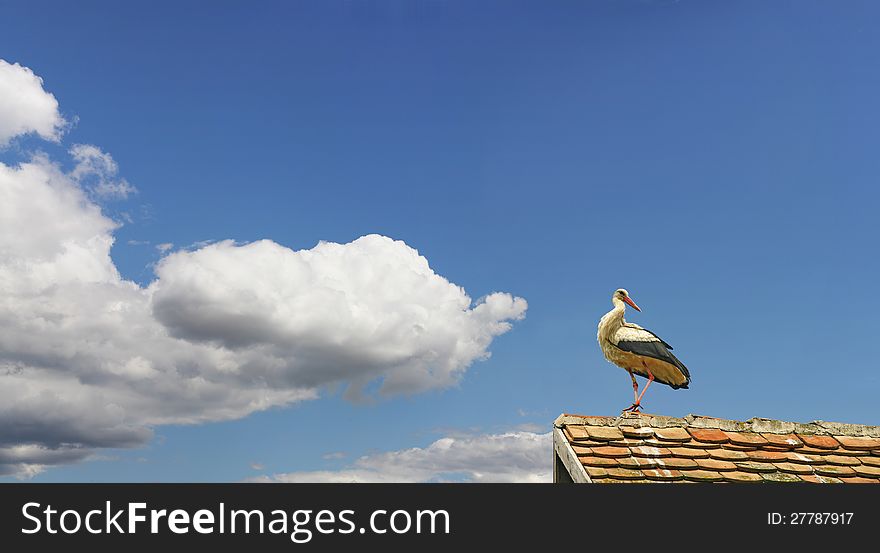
638	350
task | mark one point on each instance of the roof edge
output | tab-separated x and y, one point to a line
755	424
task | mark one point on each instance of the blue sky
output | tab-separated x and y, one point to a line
716	159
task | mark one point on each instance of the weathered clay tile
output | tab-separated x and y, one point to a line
820	442
780	477
843	460
581	450
702	475
663	474
866	470
737	476
832	470
860	480
700	445
632	432
636	463
711	435
676	463
598	461
622	473
819	479
596	472
783	440
650	451
762	455
727	455
610	451
674	434
794	468
861	443
755	466
737	447
575	433
604	433
689	453
750	440
798	457
870	460
715	464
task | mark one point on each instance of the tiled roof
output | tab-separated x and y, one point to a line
651	448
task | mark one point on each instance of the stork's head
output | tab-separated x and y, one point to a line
622	295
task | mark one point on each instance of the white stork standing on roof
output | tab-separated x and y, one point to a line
638	350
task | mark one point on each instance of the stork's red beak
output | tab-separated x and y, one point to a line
631	303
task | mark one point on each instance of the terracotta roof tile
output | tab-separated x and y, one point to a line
636	463
703	475
782	440
755	466
715	464
795	468
727	455
821	442
864	444
737	476
604	433
676	463
699	445
689	452
780	477
598	461
860	480
763	455
624	474
833	470
673	434
750	440
575	433
868	471
610	451
650	448
642	432
650	451
843	460
712	435
817	479
737	447
663	474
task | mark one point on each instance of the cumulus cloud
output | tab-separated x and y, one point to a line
508	457
97	172
90	360
337	312
25	107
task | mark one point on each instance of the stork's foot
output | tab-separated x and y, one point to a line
634	408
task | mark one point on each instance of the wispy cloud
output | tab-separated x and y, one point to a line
507	457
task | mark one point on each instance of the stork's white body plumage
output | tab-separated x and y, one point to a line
638	350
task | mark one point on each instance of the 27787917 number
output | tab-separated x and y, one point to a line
820	518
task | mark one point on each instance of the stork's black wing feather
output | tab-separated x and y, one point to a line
657	350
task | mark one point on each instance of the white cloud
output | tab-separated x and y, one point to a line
90	360
25	107
508	457
164	247
97	172
337	312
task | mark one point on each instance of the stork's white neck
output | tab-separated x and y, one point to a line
611	321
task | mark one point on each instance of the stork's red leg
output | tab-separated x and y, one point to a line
635	387
635	406
645	389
